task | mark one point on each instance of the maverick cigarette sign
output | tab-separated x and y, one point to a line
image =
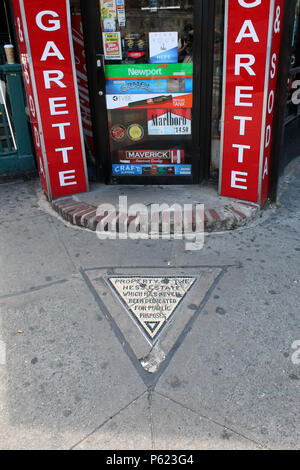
252	45
46	48
151	156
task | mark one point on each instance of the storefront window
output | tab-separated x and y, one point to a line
148	53
217	84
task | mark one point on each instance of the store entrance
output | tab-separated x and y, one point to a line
149	77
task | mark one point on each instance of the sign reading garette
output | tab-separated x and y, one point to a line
253	29
151	301
46	47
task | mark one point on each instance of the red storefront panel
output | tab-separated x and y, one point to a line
248	31
49	50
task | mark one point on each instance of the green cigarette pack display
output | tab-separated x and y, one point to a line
123	71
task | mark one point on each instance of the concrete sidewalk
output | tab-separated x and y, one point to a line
76	372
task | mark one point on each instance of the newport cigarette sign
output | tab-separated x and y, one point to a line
252	43
45	42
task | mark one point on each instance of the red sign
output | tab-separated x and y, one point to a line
249	29
273	73
49	54
82	79
37	137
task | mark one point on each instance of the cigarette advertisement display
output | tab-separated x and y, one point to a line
147	102
151	170
128	71
108	9
137	86
174	100
135	45
121	13
112	46
169	121
163	47
151	156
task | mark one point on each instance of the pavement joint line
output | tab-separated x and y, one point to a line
30	217
60	239
187	328
33	289
150	380
149	397
107	420
200	266
145	377
223	426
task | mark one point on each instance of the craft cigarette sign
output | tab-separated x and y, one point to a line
151	170
252	44
45	43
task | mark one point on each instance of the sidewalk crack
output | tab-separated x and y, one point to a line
106	421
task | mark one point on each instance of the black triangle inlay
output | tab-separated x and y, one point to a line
152	325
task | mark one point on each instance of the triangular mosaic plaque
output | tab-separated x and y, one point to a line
151	300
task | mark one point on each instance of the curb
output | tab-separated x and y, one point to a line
84	215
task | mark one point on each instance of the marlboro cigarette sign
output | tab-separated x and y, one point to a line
169	121
151	156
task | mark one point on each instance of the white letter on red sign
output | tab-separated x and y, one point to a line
241	151
242	120
63	177
273	62
245	65
239	96
253	4
235	179
56	52
59	75
65	153
55	23
61	126
53	105
252	33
